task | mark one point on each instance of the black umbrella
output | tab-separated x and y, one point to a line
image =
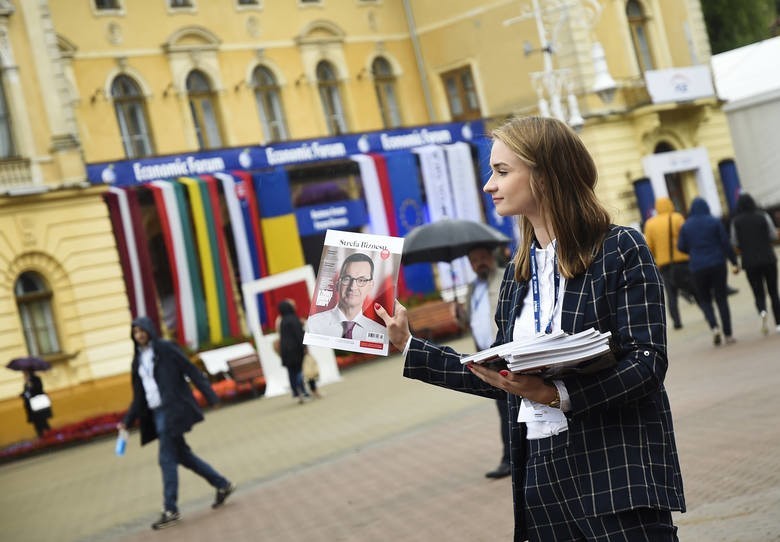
448	239
29	363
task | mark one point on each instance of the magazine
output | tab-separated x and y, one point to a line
356	270
553	354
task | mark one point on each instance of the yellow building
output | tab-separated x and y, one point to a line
90	83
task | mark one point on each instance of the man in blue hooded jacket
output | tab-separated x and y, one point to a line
703	237
166	408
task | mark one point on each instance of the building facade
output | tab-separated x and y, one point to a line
248	126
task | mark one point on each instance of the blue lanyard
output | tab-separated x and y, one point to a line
535	289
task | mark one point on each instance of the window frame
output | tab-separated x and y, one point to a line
270	107
640	38
206	121
385	85
128	107
6	124
466	94
329	90
40	301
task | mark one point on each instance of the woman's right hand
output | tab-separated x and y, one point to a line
397	325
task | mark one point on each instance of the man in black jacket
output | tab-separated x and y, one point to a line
164	404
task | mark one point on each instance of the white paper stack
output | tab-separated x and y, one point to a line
542	351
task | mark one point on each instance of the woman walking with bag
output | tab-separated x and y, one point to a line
33	386
753	232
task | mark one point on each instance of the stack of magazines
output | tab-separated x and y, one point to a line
552	354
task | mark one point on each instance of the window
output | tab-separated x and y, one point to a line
384	84
248	2
461	94
330	96
269	104
637	21
181	3
106	4
6	139
130	108
204	115
33	298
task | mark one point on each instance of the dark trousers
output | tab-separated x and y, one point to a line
672	293
174	451
503	414
711	282
757	277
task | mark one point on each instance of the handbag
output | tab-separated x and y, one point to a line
311	370
40	402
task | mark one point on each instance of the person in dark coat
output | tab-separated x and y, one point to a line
753	232
703	237
291	348
166	408
39	418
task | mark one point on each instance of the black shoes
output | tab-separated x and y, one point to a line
502	471
167	519
222	494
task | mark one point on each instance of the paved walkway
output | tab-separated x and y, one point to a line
385	458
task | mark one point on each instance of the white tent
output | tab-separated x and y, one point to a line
747	71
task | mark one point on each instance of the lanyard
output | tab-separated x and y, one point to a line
535	289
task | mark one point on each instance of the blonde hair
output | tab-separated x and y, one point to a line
563	178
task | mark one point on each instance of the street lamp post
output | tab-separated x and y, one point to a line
550	83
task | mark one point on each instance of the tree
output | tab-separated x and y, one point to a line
733	24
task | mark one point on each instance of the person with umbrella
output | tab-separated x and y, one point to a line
33	386
38	412
593	453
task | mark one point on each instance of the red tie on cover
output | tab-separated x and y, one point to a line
348	325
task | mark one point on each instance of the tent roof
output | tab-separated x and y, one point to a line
747	71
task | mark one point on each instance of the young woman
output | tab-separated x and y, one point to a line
593	455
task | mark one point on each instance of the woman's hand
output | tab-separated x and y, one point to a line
397	325
524	385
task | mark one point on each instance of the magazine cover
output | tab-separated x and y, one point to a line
356	270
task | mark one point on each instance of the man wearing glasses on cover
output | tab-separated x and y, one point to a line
346	319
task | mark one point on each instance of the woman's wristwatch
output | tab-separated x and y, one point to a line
556	402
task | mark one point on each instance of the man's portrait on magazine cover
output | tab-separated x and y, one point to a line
348	285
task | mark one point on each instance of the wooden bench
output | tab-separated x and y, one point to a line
434	319
245	369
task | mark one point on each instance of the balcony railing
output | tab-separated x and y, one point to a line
15	173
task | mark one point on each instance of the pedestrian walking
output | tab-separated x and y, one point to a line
291	347
593	454
752	234
166	409
703	237
38	416
661	232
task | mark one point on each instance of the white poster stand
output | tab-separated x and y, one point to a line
276	380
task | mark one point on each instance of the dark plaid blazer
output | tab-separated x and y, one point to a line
620	445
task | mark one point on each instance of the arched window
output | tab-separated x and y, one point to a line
6	135
204	112
130	108
33	298
637	21
330	96
384	84
269	104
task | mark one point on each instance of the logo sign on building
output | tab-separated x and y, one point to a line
679	84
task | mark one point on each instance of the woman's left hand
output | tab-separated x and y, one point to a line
523	385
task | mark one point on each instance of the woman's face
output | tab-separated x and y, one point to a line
510	183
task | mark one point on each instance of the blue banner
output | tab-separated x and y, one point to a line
129	172
338	215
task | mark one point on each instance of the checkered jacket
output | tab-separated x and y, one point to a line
620	446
